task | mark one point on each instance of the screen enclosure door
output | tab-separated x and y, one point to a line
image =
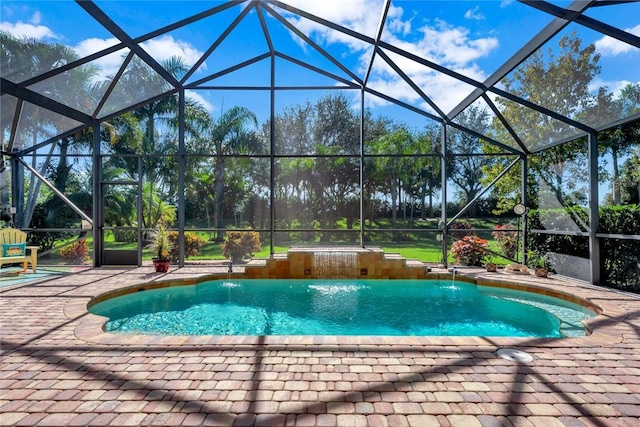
121	233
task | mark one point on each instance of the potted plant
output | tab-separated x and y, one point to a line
539	263
240	244
491	267
161	247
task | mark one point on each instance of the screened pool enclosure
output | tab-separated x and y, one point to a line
506	129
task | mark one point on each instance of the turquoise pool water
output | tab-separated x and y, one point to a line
342	307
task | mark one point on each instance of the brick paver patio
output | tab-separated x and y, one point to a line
58	368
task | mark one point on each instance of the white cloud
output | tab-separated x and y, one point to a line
362	16
608	46
201	100
359	15
613	86
108	64
474	14
437	41
31	30
446	45
93	45
164	47
36	18
445	91
160	49
452	45
398	26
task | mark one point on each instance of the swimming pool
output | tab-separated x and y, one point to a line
341	307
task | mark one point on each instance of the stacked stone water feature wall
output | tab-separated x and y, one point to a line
336	263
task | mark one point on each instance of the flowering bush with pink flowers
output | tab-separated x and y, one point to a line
469	251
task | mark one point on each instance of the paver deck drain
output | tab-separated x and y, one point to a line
515	355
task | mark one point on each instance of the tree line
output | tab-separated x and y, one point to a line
316	148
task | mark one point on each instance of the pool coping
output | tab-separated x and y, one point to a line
602	329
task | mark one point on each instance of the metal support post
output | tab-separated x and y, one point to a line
525	201
594	218
362	168
443	183
182	168
98	208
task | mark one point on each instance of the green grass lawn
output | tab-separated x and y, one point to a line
419	244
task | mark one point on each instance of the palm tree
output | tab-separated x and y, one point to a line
229	134
22	59
154	118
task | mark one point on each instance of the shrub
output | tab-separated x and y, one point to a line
566	218
44	240
542	243
461	229
620	219
240	244
125	236
469	251
192	244
620	263
620	258
507	237
76	253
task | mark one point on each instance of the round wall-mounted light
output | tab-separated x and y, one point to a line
519	209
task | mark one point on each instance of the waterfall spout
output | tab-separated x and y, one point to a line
335	264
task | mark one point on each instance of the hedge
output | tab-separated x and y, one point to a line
619	258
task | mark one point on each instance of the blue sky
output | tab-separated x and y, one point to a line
471	37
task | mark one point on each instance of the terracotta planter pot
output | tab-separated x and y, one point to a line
491	267
161	265
541	272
